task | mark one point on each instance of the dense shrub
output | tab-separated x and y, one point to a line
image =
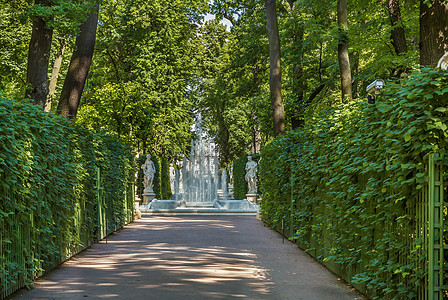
165	179
157	183
347	184
49	169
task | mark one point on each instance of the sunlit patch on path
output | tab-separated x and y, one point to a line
214	257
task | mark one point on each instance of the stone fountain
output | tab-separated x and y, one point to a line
199	188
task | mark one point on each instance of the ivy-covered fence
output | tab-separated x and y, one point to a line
362	189
62	188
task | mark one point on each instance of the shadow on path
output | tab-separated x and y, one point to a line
197	257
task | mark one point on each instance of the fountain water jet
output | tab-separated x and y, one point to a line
196	187
200	174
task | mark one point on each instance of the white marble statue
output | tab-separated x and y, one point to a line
149	172
251	175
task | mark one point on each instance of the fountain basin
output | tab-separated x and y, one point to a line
165	204
235	204
218	207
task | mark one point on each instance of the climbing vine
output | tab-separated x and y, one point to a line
49	187
346	185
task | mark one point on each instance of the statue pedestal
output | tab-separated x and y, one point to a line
148	196
252	198
138	213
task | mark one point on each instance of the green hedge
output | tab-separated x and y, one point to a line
239	172
347	184
165	179
50	210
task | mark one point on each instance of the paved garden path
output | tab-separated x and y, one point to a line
194	257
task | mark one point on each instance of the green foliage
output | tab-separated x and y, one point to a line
239	183
139	182
310	72
239	173
157	183
230	75
165	179
14	43
65	16
16	17
354	173
50	195
141	73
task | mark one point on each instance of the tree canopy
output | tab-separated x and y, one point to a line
157	63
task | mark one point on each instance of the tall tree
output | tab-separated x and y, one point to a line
38	58
397	34
141	77
343	57
79	67
296	64
433	31
55	73
14	44
275	72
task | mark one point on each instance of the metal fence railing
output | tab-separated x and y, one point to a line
420	244
437	236
23	258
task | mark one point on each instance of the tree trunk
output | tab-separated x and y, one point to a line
433	31
225	154
79	67
343	58
314	94
298	86
355	83
275	74
256	135
55	73
397	34
38	60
